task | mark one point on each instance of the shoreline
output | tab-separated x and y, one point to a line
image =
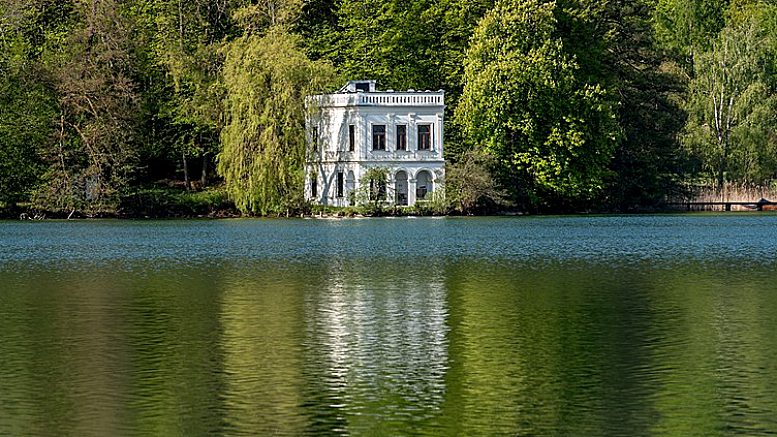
21	215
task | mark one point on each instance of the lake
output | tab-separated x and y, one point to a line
633	325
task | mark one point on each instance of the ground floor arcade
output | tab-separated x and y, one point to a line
348	185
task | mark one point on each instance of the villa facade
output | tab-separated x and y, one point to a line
357	129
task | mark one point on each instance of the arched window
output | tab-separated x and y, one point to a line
424	184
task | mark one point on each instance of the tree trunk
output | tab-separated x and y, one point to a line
204	175
186	181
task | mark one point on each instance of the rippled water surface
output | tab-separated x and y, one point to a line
647	325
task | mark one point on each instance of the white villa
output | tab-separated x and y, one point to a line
358	129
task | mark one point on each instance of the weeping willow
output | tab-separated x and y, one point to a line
266	79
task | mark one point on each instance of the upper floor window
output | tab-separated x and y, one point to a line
379	137
401	137
351	138
424	137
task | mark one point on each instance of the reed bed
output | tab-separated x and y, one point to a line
731	193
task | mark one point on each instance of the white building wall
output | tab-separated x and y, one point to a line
333	156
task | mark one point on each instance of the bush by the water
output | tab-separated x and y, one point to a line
172	202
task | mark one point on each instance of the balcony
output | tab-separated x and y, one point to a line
423	155
401	99
380	156
413	99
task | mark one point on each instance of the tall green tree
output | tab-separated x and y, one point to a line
27	101
266	79
732	109
552	132
390	41
93	155
687	27
649	162
186	44
419	44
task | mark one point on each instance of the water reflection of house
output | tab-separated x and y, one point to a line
381	347
359	128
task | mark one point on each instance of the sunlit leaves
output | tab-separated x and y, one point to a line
732	124
266	79
525	104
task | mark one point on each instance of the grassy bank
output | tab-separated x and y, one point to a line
149	202
171	201
167	202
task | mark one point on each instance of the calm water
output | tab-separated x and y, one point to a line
646	325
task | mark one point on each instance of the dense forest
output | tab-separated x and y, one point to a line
125	105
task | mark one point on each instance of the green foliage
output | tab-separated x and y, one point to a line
26	113
469	184
373	191
257	17
266	79
685	27
732	124
27	104
570	101
172	202
417	44
648	163
552	133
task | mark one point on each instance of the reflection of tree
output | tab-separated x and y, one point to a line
59	366
543	351
172	329
380	335
490	354
262	321
110	351
595	350
719	363
378	345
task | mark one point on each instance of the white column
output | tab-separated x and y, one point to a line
410	191
364	127
440	134
412	134
391	133
391	189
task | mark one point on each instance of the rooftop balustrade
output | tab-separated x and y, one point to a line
420	98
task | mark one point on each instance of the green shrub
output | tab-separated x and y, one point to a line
170	202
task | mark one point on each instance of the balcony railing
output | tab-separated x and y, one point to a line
401	99
420	98
423	155
380	156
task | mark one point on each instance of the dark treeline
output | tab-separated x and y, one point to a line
566	104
